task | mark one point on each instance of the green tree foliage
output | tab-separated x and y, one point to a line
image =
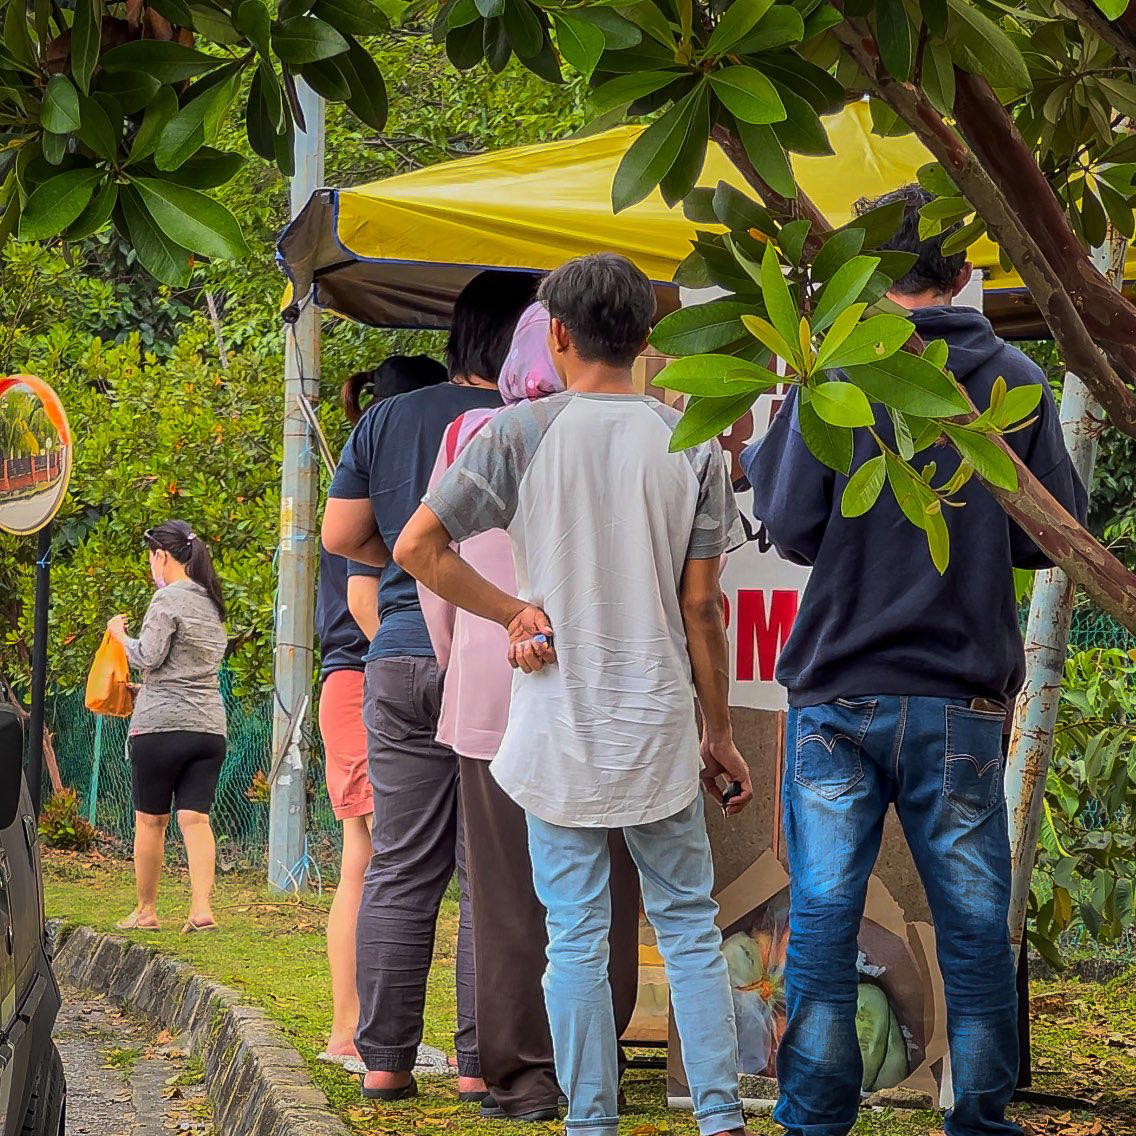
139	370
1086	871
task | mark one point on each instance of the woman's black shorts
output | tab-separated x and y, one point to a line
177	765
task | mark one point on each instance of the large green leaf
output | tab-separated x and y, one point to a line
251	19
207	169
779	302
748	95
525	31
327	78
176	11
158	113
780	26
911	385
192	219
841	404
188	130
873	340
764	150
911	494
97	129
829	444
167	62
131	90
680	179
712	376
990	461
651	155
735	23
980	46
737	211
60	110
619	34
701	328
843	289
56	203
801	131
863	488
647	16
97	213
706	418
580	42
625	89
214	24
839	247
465	46
304	39
895	38
351	17
162	257
938	538
368	100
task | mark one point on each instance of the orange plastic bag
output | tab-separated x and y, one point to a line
108	684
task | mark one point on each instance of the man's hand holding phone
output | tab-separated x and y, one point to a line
720	758
530	640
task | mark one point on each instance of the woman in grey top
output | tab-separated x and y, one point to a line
177	732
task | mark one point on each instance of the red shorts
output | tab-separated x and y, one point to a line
345	744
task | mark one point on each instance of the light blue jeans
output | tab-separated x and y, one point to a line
570	872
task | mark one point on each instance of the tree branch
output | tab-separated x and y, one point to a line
1086	13
1005	222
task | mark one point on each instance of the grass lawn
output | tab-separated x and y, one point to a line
272	950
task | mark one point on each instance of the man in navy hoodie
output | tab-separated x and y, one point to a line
900	681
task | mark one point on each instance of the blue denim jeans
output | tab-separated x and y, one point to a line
941	763
570	871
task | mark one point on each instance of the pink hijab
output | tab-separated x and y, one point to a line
527	373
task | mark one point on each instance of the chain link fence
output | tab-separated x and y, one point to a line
91	751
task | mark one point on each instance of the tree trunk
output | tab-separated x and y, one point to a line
993	137
1004	221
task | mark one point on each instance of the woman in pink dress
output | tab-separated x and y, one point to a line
514	1043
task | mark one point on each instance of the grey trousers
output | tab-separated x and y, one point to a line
417	843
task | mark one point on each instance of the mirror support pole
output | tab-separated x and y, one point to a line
288	861
39	665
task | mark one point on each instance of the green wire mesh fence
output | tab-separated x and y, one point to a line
91	751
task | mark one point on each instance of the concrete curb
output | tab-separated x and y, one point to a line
258	1083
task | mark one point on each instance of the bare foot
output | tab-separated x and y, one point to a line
377	1080
340	1048
139	921
472	1085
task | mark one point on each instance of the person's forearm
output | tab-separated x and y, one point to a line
709	654
372	552
448	576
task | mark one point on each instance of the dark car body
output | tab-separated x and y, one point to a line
32	1091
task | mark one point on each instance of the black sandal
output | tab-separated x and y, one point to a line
403	1092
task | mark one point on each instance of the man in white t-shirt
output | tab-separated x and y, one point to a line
617	543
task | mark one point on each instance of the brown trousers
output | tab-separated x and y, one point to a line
509	941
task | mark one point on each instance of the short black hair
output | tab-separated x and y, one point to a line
485	317
606	304
398	374
932	269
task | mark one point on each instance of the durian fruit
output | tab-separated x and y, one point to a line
882	1045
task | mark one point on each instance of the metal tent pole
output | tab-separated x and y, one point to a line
1047	640
296	565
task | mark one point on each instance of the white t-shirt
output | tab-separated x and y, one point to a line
602	518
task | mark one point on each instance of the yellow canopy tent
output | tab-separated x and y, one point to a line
397	252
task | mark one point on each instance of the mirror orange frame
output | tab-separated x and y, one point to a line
57	416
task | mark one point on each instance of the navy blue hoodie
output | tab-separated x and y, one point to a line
876	616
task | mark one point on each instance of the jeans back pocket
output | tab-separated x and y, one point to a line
830	741
974	767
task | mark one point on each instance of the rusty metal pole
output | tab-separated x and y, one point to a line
296	564
1047	640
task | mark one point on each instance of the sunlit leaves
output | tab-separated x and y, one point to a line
863	487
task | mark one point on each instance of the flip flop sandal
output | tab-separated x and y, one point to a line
345	1061
191	927
404	1092
131	923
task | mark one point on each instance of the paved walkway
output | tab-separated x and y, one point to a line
123	1078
